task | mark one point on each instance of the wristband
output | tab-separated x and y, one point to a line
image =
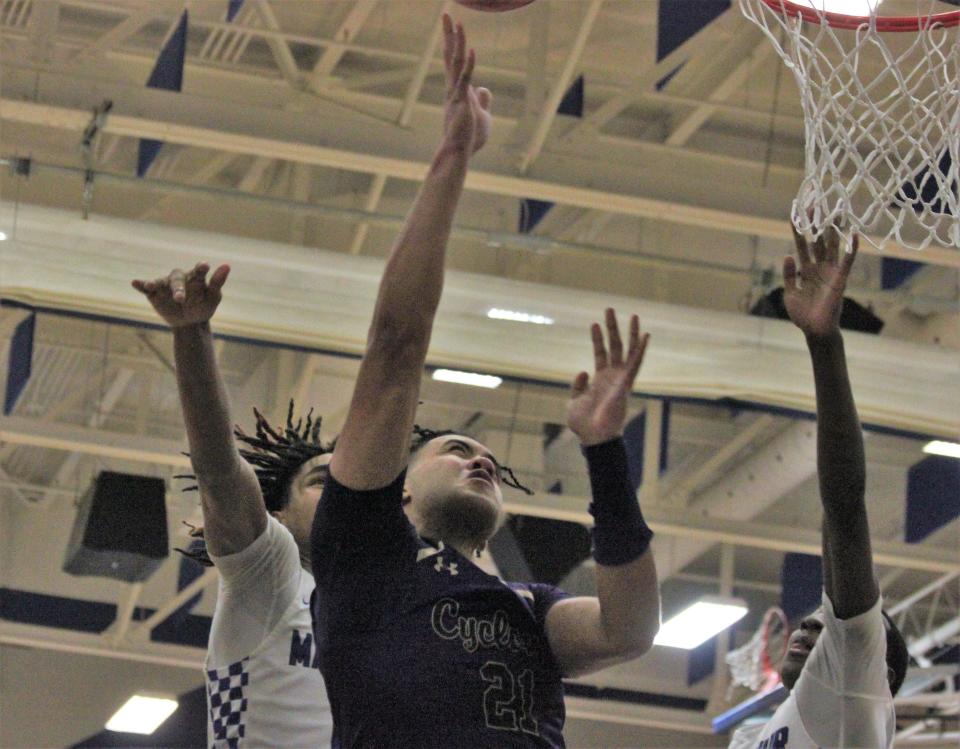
620	533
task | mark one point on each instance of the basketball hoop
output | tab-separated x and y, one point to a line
881	107
754	665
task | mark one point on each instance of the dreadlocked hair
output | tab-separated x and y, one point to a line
276	455
422	436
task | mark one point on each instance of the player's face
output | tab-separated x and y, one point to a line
305	491
799	646
454	483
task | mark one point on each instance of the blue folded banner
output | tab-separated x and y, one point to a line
167	74
20	362
532	210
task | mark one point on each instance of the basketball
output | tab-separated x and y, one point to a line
493	6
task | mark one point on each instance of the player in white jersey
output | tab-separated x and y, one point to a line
263	685
847	660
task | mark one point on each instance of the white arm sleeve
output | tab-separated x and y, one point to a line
257	585
843	694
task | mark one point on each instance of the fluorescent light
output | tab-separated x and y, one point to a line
467	378
701	621
3	236
496	313
141	714
938	447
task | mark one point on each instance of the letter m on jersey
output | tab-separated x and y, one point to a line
301	649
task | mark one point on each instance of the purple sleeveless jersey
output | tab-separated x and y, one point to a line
418	646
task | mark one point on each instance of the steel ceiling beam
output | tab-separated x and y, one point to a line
345	33
85	440
279	48
643	82
754	535
137	18
549	112
82	643
423	67
688	126
487	182
681	524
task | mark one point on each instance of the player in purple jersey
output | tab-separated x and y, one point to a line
418	646
847	660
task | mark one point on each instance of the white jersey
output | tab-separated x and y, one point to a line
842	699
263	685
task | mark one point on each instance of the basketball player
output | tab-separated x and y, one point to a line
847	660
419	647
263	686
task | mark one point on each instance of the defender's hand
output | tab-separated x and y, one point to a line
466	121
185	298
597	410
813	294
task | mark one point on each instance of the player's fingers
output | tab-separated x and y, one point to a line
161	284
599	350
613	334
219	278
484	97
140	286
819	248
635	360
789	273
831	239
800	242
634	334
448	44
463	84
850	255
459	51
177	282
579	386
196	279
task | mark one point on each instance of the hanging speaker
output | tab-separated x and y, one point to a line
121	528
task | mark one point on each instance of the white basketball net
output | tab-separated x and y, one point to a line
751	664
881	111
746	668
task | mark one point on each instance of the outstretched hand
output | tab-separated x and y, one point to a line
813	293
466	109
597	410
185	298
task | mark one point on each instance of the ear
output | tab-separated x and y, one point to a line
406	498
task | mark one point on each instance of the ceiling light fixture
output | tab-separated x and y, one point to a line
946	449
495	313
467	378
698	623
142	714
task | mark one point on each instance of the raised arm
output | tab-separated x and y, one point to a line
234	514
587	633
372	447
813	294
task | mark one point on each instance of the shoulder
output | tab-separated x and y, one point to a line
347	501
274	547
539	598
865	633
